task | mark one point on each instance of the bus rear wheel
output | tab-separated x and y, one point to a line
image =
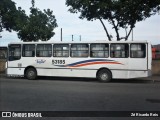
31	74
104	75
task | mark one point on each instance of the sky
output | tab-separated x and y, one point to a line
88	30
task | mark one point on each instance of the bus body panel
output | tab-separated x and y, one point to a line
123	70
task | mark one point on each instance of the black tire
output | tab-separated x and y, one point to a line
31	74
104	75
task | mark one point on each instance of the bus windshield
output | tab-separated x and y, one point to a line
14	52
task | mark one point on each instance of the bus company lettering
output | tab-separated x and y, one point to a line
40	61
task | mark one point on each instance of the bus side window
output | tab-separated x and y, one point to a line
79	50
138	50
44	50
99	50
61	50
28	50
119	50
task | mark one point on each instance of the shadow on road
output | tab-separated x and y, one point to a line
95	80
153	100
137	80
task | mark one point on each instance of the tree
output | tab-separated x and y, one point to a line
10	16
119	13
39	25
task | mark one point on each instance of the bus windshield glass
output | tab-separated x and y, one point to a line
14	52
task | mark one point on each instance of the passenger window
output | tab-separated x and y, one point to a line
119	50
138	50
28	50
61	50
79	50
44	50
99	50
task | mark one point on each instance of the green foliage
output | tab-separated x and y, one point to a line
38	26
8	15
119	13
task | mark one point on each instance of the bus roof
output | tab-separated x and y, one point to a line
70	42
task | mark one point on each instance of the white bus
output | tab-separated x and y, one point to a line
100	59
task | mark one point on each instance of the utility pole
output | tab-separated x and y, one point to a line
61	34
132	34
72	37
80	37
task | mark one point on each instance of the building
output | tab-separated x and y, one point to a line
3	52
156	51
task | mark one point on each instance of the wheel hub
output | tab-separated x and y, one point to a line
104	76
31	73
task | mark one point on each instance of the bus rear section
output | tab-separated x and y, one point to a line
140	60
137	64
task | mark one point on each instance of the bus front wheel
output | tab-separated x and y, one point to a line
31	74
104	75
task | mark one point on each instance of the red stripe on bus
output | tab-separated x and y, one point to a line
94	63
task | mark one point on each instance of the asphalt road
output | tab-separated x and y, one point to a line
75	94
